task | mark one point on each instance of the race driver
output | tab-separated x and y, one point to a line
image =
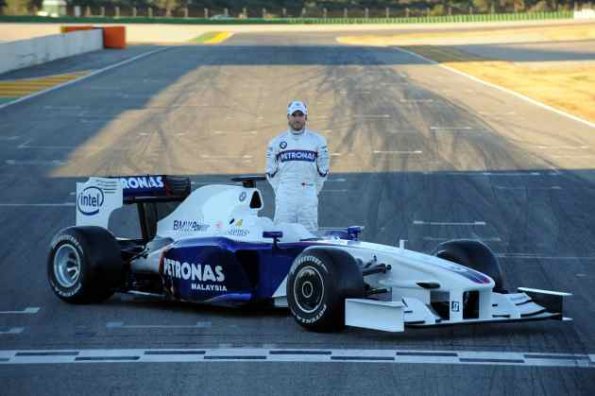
297	166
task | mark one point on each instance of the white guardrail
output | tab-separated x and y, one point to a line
585	13
23	53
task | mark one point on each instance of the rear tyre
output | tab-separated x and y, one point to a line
475	255
318	283
85	265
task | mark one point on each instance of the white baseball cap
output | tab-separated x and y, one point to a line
297	105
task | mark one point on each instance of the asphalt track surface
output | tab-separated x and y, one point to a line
419	153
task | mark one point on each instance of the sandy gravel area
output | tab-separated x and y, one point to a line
562	79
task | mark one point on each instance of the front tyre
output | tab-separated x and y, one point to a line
84	265
318	283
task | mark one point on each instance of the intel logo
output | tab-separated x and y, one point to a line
90	200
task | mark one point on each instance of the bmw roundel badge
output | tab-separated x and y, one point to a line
283	144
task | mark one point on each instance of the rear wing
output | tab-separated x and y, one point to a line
98	197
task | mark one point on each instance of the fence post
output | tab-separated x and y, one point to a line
245	12
102	11
185	12
264	13
150	12
387	11
324	13
206	13
407	12
366	13
345	13
225	12
427	12
88	11
449	10
284	12
303	12
117	11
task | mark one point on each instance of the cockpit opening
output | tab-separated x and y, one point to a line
255	202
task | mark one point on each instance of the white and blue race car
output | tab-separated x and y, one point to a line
210	246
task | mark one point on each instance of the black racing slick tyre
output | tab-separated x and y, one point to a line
318	283
475	255
84	265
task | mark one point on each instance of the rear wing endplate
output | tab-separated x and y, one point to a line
98	197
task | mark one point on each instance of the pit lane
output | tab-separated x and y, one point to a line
419	154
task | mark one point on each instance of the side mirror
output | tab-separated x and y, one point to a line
354	232
276	235
272	234
248	181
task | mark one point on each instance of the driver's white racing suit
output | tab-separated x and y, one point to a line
297	166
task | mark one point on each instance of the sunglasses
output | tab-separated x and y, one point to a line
298	114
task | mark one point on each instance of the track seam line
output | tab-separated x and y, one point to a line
535	359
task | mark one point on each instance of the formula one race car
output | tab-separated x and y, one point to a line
210	246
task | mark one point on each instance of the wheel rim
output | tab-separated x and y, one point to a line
67	266
309	289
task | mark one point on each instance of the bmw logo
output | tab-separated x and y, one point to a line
283	144
242	196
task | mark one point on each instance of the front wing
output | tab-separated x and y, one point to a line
393	316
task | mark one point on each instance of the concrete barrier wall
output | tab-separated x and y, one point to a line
23	53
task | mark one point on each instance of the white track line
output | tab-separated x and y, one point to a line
12	330
442	128
35	162
28	310
563	147
509	91
525	188
417	100
511	173
571	156
96	72
26	145
397	152
121	325
446	223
